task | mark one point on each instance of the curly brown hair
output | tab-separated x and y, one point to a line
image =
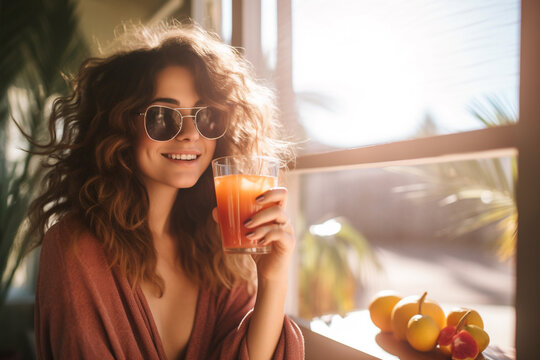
92	174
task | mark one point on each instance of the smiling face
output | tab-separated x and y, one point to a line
179	162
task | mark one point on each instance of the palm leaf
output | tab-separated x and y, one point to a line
39	39
451	183
493	111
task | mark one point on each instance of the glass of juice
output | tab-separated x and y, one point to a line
238	181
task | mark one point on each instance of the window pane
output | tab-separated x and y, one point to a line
372	71
447	228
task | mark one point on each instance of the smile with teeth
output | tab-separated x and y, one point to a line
188	157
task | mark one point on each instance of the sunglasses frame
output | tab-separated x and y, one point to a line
198	108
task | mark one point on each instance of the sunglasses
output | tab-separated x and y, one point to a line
163	123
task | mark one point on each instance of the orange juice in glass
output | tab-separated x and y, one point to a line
238	181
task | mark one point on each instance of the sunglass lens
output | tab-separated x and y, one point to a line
162	123
211	123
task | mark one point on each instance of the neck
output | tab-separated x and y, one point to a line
159	213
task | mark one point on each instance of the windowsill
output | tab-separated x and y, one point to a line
358	332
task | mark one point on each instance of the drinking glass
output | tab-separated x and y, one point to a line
239	180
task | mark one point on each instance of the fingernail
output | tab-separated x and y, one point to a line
260	241
259	198
250	234
248	222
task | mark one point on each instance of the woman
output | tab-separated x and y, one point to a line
132	267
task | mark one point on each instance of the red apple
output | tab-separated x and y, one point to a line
464	347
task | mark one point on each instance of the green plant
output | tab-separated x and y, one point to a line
39	40
332	254
499	189
488	183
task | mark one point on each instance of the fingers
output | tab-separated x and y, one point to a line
271	226
274	214
274	195
278	234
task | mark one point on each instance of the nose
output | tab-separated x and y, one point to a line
189	130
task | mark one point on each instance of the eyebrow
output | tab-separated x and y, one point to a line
166	100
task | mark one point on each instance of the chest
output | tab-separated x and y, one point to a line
174	312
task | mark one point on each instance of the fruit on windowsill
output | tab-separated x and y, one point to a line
407	307
380	309
445	339
456	314
460	344
480	336
422	331
464	347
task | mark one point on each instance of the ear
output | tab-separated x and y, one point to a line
215	215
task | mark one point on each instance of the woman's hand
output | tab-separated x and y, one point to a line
271	226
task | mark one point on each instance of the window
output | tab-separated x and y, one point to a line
386	70
459	137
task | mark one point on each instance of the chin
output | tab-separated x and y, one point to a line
185	184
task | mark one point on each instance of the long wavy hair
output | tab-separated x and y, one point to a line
92	174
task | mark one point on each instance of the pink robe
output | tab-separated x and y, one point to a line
84	310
